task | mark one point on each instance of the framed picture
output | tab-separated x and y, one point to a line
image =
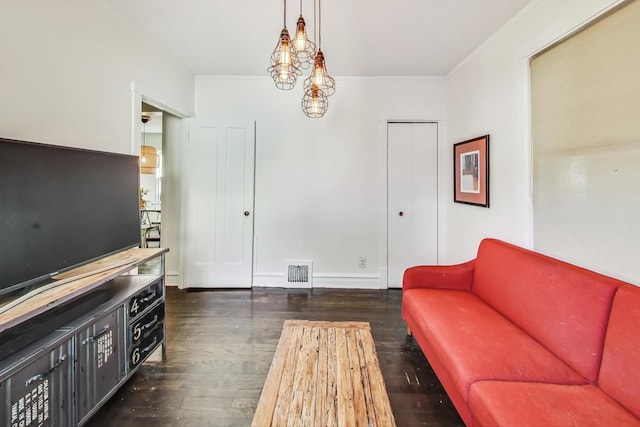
471	172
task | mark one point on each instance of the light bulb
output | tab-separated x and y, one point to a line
315	100
285	62
301	43
301	37
318	76
285	55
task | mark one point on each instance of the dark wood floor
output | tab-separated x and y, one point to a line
220	345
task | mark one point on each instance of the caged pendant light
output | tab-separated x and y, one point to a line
305	47
285	65
314	102
319	74
319	85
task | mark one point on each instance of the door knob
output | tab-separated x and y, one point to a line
401	213
246	213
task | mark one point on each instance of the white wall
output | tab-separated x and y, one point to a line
66	73
320	191
489	93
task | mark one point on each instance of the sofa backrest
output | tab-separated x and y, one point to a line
562	306
620	371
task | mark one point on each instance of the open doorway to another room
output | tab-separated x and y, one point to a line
151	176
161	185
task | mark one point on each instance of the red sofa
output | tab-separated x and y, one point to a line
521	339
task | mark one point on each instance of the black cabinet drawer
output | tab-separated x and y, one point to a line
145	298
140	352
143	327
145	334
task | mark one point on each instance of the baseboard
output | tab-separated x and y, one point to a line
172	278
351	281
320	280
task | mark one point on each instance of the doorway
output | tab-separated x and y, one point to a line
163	131
151	177
412	197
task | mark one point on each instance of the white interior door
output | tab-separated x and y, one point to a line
412	198
219	204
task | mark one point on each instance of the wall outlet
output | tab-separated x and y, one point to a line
363	262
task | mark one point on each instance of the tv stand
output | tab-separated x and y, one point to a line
67	347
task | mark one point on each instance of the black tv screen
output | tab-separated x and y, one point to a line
61	207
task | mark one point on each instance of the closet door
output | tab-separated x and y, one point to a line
219	204
412	199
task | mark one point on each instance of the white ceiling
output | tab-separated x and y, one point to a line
359	37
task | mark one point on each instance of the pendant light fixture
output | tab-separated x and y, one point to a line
285	65
314	103
305	47
148	154
319	74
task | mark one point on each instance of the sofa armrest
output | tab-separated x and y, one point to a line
459	276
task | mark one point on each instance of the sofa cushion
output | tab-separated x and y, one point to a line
475	342
620	372
562	306
498	403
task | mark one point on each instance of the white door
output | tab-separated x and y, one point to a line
219	204
412	198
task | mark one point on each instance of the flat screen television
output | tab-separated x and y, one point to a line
61	207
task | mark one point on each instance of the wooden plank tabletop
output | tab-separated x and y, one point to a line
89	276
324	374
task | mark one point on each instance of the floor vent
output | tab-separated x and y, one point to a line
299	273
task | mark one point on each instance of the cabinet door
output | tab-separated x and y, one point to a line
100	364
39	394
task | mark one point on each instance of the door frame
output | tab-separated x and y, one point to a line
140	94
383	143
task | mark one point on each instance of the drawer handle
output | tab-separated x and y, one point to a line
96	336
150	346
150	324
40	377
149	297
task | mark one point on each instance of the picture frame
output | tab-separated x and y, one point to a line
471	171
